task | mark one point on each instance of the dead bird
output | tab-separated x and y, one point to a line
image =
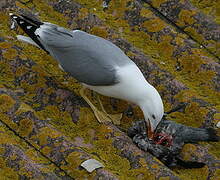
169	139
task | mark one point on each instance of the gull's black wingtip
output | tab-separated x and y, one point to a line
13	16
29	25
212	133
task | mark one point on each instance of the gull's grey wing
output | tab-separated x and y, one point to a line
88	58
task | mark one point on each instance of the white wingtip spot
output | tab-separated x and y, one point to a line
13	26
29	27
61	67
10	14
21	22
218	125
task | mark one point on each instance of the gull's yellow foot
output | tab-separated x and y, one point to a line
115	118
101	116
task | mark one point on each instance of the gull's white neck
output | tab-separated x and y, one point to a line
133	87
140	92
152	106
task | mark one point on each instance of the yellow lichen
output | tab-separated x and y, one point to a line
187	151
146	13
23	108
216	118
214	148
83	13
99	31
185	17
10	54
209	7
6	103
195	173
191	63
216	175
46	150
45	133
194	34
154	25
179	40
193	116
5	45
7	172
157	3
166	49
113	19
164	178
25	127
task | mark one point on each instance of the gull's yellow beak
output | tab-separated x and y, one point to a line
150	133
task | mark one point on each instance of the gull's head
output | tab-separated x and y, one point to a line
152	107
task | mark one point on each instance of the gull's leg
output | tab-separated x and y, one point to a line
114	117
101	116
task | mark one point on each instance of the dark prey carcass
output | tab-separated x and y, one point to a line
169	140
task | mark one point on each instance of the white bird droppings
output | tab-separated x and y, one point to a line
218	125
91	164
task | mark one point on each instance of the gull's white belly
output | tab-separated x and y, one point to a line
131	87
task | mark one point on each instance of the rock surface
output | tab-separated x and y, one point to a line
46	128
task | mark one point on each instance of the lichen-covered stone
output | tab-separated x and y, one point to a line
198	19
41	103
